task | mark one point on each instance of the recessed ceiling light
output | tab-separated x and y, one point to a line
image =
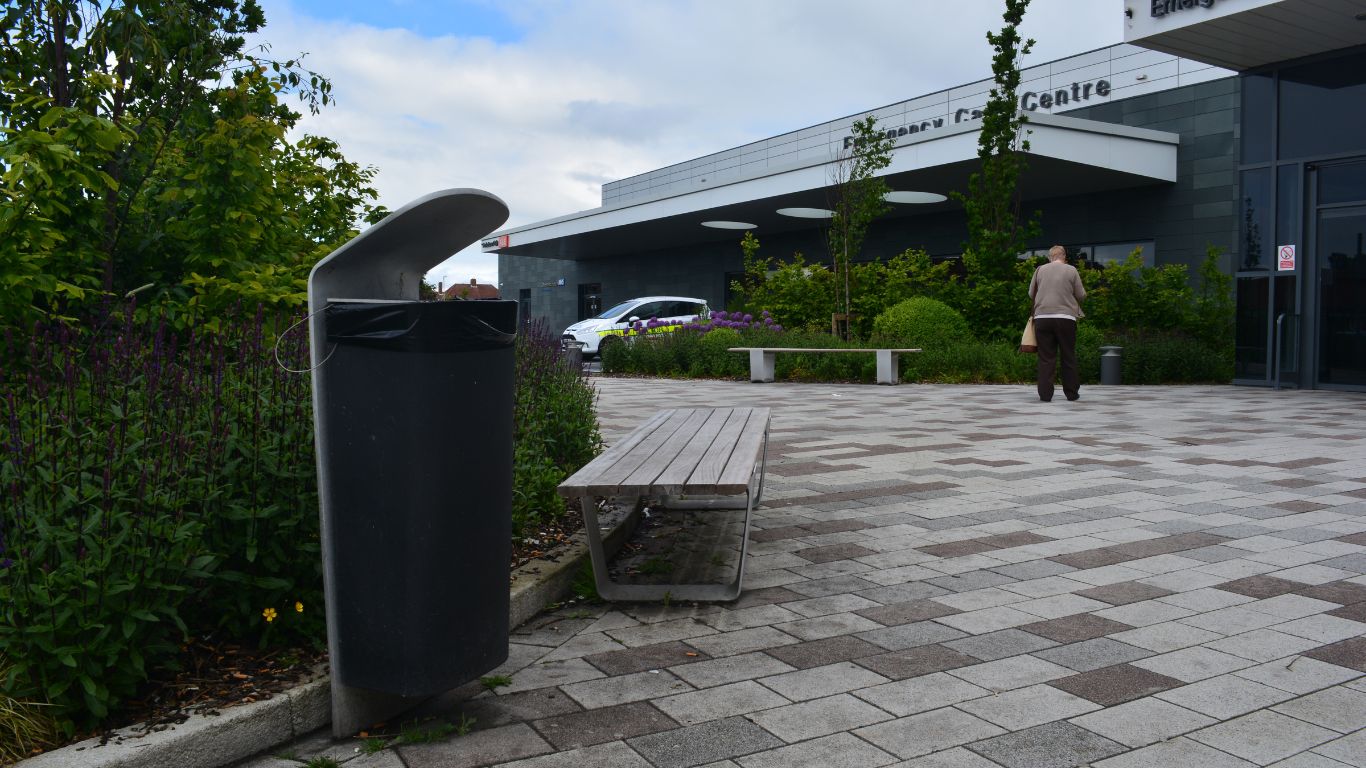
914	197
728	225
807	213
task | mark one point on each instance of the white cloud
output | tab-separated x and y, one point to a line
598	90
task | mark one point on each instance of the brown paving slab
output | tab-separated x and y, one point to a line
957	548
1349	653
1109	686
1296	482
1355	612
915	662
1341	592
1197	539
1125	592
1074	629
1160	546
1260	587
1017	539
1094	558
777	534
645	657
906	613
833	552
597	726
766	596
1358	539
1299	506
837	526
800	468
818	653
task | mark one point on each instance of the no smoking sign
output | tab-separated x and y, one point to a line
1285	258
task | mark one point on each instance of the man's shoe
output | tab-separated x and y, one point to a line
1074	397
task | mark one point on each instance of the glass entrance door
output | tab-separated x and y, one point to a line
1341	255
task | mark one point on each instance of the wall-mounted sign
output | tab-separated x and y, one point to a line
1071	97
494	243
1285	258
1161	8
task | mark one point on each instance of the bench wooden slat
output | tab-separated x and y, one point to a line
605	484
659	462
740	469
707	476
674	479
572	486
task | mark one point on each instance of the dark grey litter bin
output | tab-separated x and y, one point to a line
419	413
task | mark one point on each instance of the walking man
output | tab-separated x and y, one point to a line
1057	293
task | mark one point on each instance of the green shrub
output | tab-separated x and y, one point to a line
920	322
555	429
714	360
153	482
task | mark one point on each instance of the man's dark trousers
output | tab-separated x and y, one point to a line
1057	338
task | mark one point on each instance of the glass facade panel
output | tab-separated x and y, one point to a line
1287	327
1255	221
1259	110
1250	353
1322	107
1289	207
1342	182
1341	255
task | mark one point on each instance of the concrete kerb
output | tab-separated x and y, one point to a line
237	733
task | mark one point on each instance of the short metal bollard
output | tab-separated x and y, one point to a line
1111	364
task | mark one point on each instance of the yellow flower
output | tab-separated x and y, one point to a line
299	607
269	613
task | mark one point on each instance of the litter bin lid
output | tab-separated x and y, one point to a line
422	326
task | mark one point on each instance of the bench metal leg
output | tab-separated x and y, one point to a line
611	590
888	367
761	365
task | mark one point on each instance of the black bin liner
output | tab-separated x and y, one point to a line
418	405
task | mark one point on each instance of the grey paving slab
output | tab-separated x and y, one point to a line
819	717
1349	749
999	645
1093	654
1053	745
838	751
731	669
928	732
719	702
597	726
1027	707
704	743
614	755
1177	753
495	745
1264	737
1340	708
817	682
1143	721
620	690
922	694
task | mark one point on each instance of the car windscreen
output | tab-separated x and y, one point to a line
616	311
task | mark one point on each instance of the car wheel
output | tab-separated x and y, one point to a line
607	342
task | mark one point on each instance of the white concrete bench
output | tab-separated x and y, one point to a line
691	458
762	359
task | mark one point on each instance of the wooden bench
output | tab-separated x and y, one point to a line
761	361
689	458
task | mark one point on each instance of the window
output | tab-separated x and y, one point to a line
1255	220
1322	107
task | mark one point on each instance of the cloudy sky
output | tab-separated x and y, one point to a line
541	101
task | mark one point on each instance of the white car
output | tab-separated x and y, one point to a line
669	312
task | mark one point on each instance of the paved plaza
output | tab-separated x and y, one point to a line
964	577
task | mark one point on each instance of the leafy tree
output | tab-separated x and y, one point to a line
996	235
143	143
800	295
856	197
